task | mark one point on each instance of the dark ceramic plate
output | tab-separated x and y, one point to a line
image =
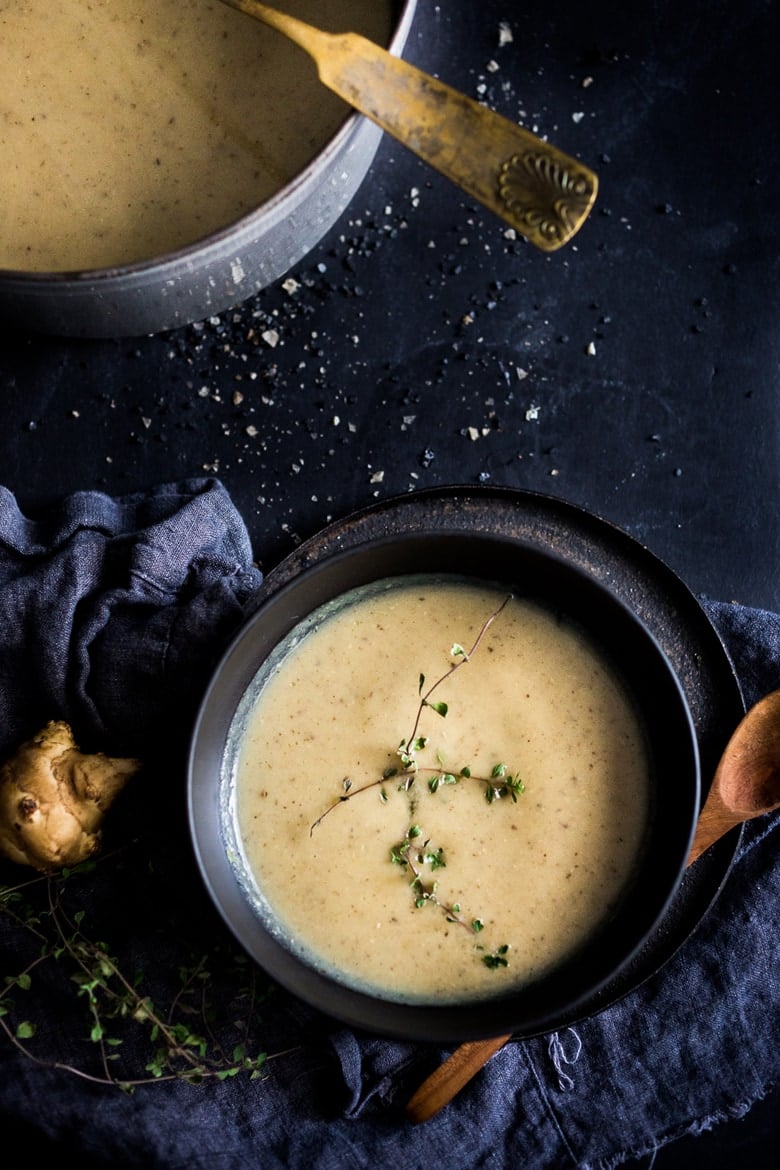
542	525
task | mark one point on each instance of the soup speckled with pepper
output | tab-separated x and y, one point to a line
131	128
456	854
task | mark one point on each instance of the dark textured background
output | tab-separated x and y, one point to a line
423	347
415	314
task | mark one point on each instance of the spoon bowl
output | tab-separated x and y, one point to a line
746	785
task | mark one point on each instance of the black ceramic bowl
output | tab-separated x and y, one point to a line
214	273
529	570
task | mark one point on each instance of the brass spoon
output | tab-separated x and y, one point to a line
746	784
536	188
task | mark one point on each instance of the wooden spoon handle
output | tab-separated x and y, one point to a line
544	194
450	1077
466	1061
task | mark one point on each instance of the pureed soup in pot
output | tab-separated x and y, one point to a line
438	853
131	128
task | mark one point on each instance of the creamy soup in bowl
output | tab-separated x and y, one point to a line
431	829
447	847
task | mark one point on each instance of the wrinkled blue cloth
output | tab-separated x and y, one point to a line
114	613
112	610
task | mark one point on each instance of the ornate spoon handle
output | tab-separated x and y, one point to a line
543	193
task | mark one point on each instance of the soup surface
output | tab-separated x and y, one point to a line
430	890
130	128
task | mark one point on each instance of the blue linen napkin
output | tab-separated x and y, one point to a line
114	612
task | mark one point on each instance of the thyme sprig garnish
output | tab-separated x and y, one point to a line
414	852
425	891
408	748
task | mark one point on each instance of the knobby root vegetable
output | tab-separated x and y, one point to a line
53	799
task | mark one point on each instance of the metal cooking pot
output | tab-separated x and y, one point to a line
217	272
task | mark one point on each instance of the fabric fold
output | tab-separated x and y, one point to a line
114	610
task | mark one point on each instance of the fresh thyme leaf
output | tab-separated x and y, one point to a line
439	708
497	958
441	778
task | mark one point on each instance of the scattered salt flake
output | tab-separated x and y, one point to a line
377	477
251	430
270	337
492	66
473	433
521	373
510	234
335	420
504	34
587	82
291	285
238	397
578	116
532	414
147	422
591	348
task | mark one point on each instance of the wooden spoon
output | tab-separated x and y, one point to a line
542	192
746	784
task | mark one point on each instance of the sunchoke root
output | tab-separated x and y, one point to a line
53	799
